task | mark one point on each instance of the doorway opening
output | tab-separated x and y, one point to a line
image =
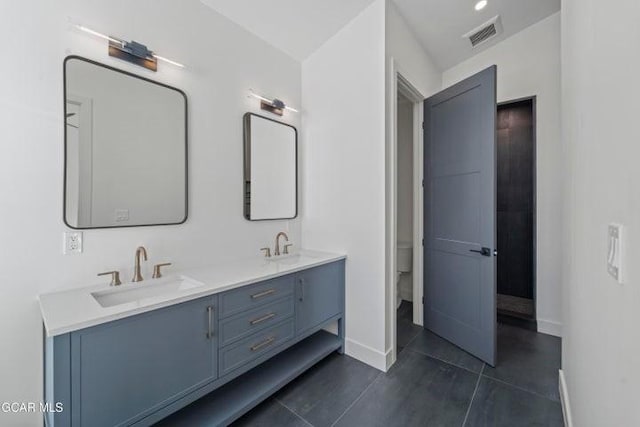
404	219
404	207
516	177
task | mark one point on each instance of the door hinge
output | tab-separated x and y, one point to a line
423	183
422	242
422	300
422	125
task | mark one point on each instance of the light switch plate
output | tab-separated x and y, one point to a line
615	252
72	243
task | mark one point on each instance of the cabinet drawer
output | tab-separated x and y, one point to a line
248	297
254	346
246	323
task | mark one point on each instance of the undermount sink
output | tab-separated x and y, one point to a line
142	291
290	259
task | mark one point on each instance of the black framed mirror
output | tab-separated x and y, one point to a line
125	148
270	169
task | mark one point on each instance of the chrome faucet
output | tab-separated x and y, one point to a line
137	276
286	239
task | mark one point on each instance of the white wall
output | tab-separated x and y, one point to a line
404	184
600	113
349	107
405	57
529	64
411	60
344	161
404	188
223	62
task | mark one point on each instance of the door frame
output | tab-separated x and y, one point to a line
534	105
399	80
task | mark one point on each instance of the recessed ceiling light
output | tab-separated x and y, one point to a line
481	4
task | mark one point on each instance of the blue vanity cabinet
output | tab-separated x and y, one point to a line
126	369
202	362
319	296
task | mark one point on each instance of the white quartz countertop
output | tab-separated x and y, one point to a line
71	310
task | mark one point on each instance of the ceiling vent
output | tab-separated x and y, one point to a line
485	32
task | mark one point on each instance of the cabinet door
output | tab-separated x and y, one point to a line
319	295
122	369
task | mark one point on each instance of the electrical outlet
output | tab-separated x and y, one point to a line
122	215
72	242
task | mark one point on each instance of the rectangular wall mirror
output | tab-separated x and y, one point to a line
270	169
125	148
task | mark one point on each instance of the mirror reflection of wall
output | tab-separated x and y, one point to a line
125	149
270	169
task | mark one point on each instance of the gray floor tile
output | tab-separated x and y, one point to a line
324	392
417	391
405	311
432	345
406	329
270	414
528	360
500	405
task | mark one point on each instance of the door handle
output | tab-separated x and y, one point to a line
301	290
210	322
484	251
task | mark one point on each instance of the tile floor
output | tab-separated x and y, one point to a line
433	383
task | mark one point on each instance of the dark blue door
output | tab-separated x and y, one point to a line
460	214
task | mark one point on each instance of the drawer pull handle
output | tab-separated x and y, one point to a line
264	343
209	326
263	294
262	319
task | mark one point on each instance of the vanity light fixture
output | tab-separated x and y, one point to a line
275	105
132	51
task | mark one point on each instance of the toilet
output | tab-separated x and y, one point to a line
404	262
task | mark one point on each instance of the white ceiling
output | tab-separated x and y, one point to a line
440	24
297	27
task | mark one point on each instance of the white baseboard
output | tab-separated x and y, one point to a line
389	359
368	355
564	399
549	327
